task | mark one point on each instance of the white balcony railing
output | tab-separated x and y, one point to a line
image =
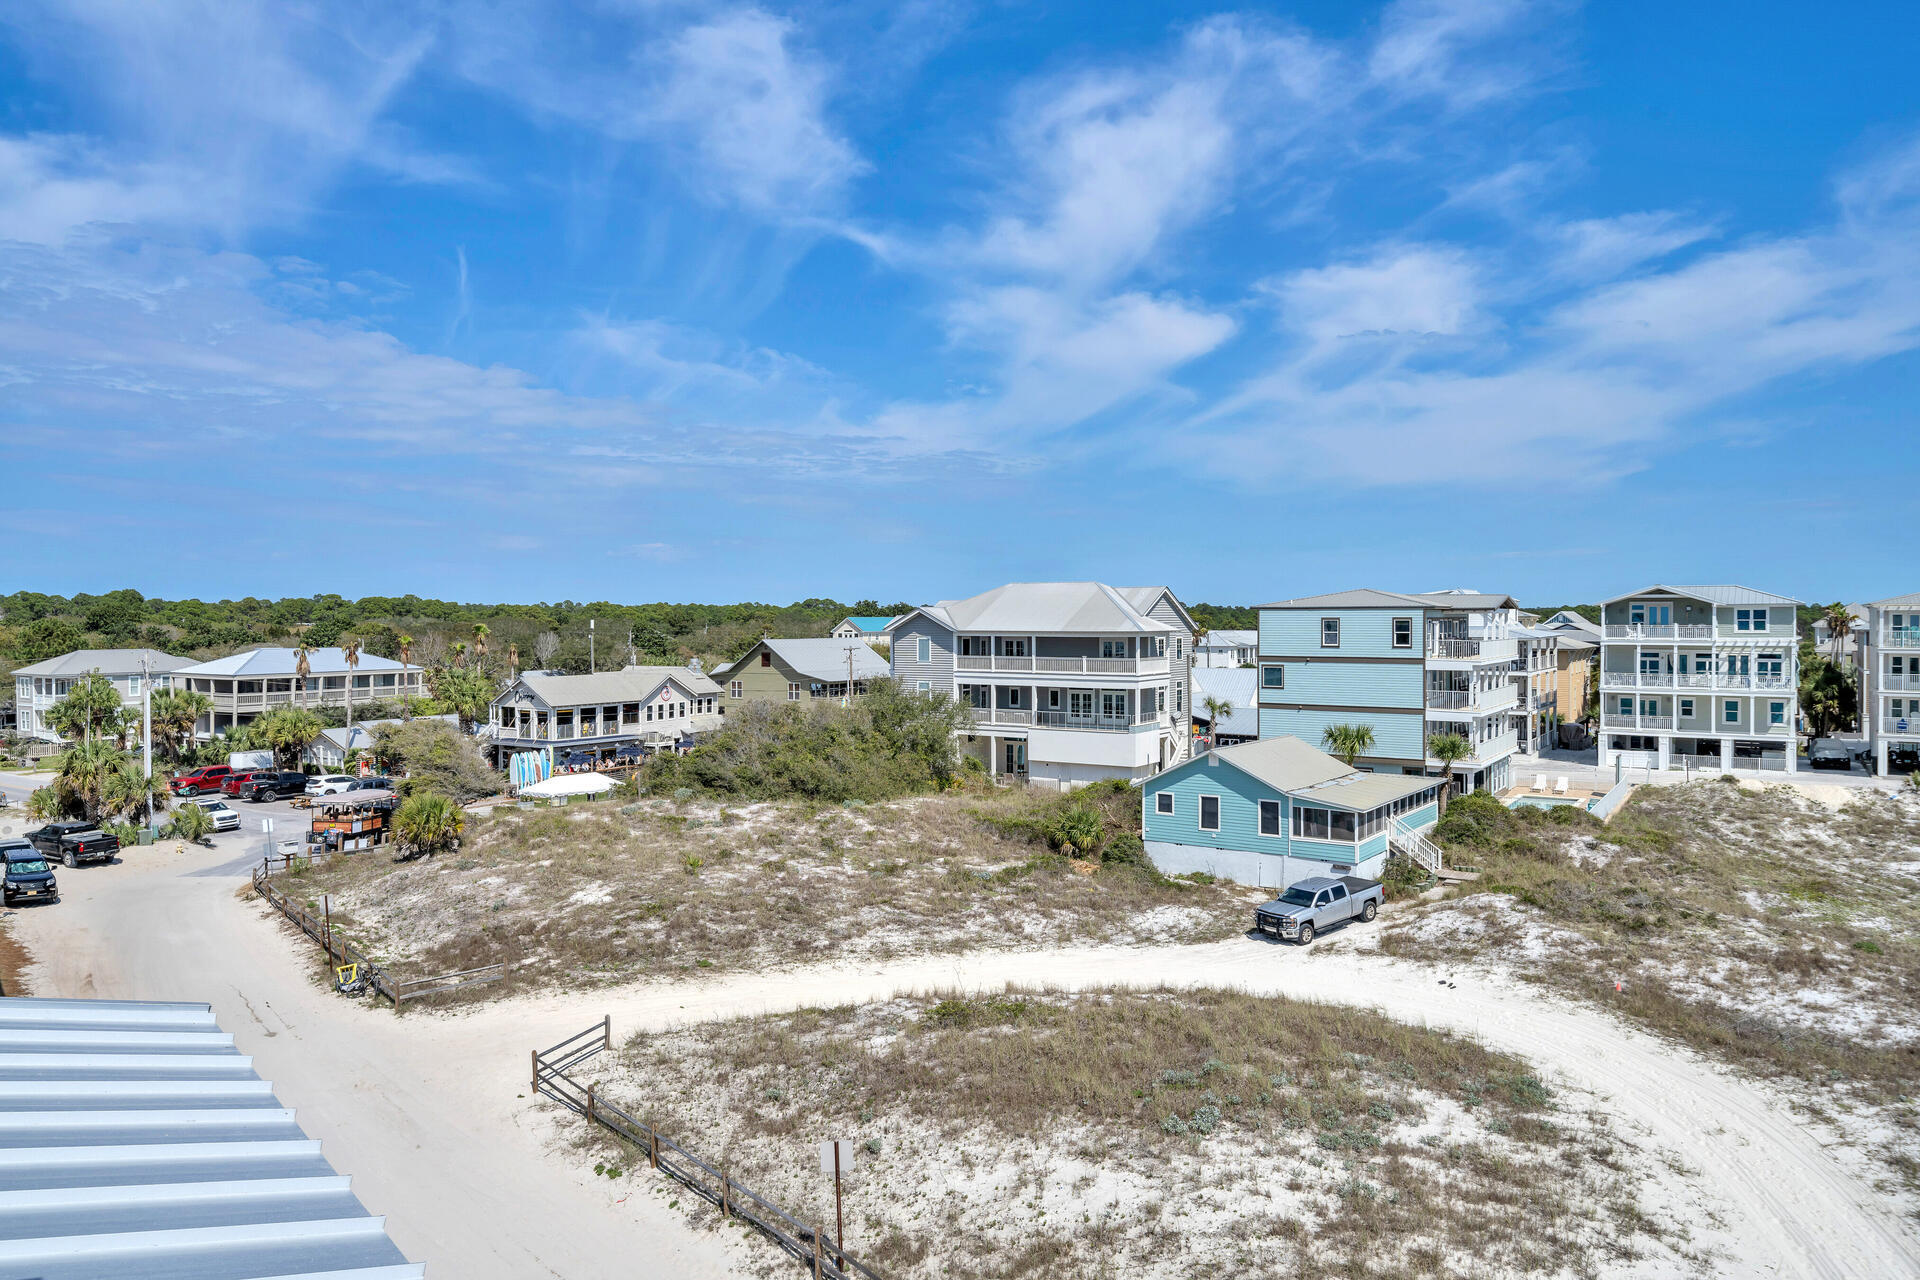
1900	724
1062	666
1694	680
1900	638
1688	631
1898	684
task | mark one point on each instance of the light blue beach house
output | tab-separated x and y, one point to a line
1278	810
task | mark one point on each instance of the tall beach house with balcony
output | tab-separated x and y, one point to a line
1699	677
1068	682
1890	682
1406	666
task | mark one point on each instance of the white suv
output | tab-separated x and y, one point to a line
224	819
331	784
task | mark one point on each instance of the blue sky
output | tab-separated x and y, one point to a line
674	300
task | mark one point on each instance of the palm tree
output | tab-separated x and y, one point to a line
480	633
84	776
287	730
91	703
460	653
513	659
1217	709
1839	620
176	713
350	653
191	823
1449	749
1348	741
302	668
406	696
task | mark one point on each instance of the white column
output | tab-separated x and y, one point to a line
1726	753
1665	744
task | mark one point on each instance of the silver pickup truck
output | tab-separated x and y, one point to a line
1318	903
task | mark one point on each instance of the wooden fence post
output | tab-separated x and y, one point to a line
653	1146
536	1070
725	1210
816	1251
589	1104
606	1032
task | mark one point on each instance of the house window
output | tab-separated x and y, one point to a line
1209	813
1649	707
1731	712
1053	699
1749	619
766	657
1013	697
1113	648
1179	649
1274	677
793	691
1626	706
925	686
649	711
1776	713
1403	633
735	688
1163	802
1310	823
1329	633
1686	708
925	648
1269	817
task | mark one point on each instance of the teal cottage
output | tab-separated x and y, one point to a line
1277	810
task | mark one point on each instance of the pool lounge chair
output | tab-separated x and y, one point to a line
1539	782
1560	786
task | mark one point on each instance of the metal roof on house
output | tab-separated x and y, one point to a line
826	660
1236	685
1908	601
1720	594
135	1140
1361	598
1052	608
360	737
280	661
1466	600
1568	620
1364	791
112	662
628	684
871	626
1285	763
1220	638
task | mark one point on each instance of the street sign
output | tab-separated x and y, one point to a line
845	1163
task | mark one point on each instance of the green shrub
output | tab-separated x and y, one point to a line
1477	818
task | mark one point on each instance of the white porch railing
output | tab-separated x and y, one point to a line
1062	666
1424	852
1900	724
1900	638
1898	684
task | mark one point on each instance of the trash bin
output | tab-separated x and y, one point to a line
147	835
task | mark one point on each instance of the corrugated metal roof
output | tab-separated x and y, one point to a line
135	1140
281	661
1222	638
1909	601
628	684
867	625
1285	763
826	660
1361	598
110	662
1235	685
1052	608
1723	593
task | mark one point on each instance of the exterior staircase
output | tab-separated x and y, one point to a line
1424	852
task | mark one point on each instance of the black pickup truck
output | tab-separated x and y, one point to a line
273	786
74	843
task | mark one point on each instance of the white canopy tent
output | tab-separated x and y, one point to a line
569	784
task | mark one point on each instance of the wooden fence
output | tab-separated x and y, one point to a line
806	1244
341	954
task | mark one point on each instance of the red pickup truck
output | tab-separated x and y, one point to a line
235	784
194	781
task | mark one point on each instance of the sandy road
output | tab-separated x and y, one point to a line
428	1113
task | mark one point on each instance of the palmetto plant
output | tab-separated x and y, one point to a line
480	633
1348	741
428	822
460	653
1449	749
190	823
176	712
84	778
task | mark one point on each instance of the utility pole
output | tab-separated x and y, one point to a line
146	728
850	674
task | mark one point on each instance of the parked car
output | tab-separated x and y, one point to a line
194	781
224	818
232	784
379	782
329	784
1903	757
28	877
1829	753
1317	903
272	786
73	843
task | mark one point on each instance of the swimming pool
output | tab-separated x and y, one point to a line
1550	802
